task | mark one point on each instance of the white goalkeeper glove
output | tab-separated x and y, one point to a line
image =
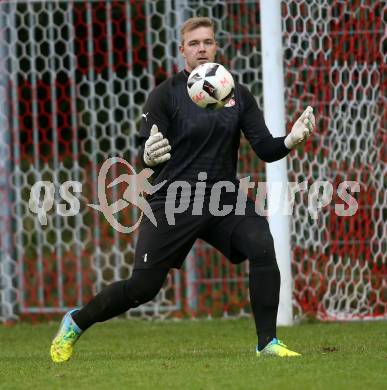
301	129
156	148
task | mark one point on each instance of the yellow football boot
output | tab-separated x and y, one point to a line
63	342
276	348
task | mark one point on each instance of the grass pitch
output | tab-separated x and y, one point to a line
203	354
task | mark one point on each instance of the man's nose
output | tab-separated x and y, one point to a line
202	47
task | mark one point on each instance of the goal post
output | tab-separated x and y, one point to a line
276	172
7	297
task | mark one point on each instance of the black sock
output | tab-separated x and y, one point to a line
108	303
253	239
119	297
264	283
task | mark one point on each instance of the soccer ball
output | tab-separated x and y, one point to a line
210	86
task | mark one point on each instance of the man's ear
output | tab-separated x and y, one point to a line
181	50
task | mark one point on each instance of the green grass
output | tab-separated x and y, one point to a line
218	354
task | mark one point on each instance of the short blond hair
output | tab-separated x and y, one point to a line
194	23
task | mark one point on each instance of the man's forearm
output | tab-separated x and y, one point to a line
271	149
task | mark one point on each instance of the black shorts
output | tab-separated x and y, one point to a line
167	245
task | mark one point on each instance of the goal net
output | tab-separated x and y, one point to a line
74	78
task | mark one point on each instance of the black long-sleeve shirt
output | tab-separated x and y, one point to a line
204	140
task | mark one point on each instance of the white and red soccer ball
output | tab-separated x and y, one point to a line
211	86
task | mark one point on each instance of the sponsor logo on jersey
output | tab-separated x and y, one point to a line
231	103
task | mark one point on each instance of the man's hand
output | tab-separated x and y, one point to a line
156	148
301	130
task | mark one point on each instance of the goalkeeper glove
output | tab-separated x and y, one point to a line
301	129
156	148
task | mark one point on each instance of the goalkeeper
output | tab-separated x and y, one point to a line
183	142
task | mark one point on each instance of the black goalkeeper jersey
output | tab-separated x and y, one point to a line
204	140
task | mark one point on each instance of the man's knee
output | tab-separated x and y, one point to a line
143	286
260	248
143	296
